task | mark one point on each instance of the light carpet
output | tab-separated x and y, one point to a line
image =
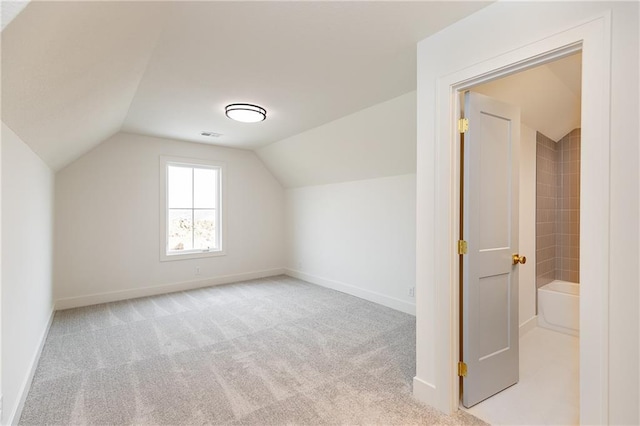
273	351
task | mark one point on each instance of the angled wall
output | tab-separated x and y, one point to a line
375	142
71	69
350	202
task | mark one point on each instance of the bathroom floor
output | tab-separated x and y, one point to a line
548	390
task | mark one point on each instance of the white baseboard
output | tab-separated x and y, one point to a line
528	325
14	418
372	296
565	330
424	392
94	299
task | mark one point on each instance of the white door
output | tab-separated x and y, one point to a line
490	228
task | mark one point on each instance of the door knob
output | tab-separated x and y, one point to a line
519	259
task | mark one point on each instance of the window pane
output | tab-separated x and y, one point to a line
180	230
205	227
180	191
205	188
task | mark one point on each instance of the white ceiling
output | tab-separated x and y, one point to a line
549	95
70	71
74	73
375	142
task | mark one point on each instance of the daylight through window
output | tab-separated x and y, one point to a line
193	209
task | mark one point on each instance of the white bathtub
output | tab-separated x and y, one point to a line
559	307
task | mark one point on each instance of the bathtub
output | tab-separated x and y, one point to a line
559	307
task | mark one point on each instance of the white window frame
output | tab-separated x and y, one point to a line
165	162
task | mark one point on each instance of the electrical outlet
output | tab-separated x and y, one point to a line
412	292
197	270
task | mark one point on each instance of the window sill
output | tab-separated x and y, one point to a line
192	255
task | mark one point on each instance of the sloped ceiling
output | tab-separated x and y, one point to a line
74	73
375	142
70	71
549	95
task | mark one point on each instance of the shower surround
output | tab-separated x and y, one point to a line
558	209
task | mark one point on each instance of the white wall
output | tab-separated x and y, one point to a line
357	237
350	202
107	222
27	234
624	330
502	29
374	142
527	284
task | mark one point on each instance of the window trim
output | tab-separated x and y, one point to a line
165	162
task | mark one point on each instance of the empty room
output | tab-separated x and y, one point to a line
318	212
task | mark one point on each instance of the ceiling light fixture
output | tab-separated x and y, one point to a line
246	113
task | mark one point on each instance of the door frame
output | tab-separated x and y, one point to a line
593	38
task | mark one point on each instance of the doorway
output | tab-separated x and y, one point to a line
548	97
437	319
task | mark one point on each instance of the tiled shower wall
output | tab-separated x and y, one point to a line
558	208
546	209
568	237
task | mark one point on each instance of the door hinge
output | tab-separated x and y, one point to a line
463	125
462	247
462	369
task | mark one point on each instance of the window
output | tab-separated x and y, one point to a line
191	206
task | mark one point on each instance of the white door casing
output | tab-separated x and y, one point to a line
489	56
490	227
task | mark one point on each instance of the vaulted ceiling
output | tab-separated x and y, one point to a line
74	73
549	95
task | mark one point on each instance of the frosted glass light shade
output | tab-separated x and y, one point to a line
245	113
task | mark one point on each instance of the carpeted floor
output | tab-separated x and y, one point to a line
265	352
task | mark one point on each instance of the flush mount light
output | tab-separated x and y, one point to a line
246	113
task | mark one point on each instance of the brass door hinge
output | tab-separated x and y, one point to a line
462	247
462	369
463	125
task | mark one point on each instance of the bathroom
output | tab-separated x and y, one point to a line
549	97
558	232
